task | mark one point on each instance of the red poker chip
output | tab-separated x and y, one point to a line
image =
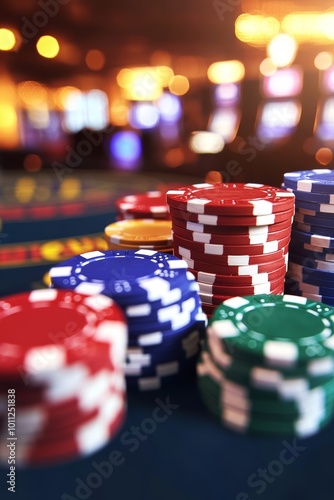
69	448
57	430
228	239
231	229
216	250
230	261
232	220
152	202
206	276
259	274
61	327
140	215
230	290
231	199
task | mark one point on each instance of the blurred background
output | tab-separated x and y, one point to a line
244	87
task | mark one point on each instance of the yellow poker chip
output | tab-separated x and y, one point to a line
164	249
138	232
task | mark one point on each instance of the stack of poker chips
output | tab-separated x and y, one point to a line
161	303
62	385
233	237
148	234
267	366
149	205
311	261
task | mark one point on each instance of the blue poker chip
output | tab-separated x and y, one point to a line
140	360
320	208
312	212
293	289
314	220
309	286
183	319
128	276
311	181
309	272
168	336
311	263
316	240
321	198
163	376
314	229
309	250
189	304
151	311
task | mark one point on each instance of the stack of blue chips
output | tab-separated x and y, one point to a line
160	300
311	256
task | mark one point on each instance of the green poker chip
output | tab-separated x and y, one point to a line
301	428
264	382
276	330
319	400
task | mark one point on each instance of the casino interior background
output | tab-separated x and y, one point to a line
102	98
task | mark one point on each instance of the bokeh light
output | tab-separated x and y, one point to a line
48	46
95	60
282	50
7	39
324	156
179	85
226	72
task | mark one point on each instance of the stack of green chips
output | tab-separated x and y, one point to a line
268	365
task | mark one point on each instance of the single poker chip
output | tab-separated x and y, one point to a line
313	229
313	239
311	263
47	312
152	202
311	181
235	272
231	199
312	220
228	239
140	231
248	230
230	249
251	276
253	327
231	290
126	275
322	208
314	197
232	220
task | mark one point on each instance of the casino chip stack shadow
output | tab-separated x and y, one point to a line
62	361
311	261
267	365
161	303
233	237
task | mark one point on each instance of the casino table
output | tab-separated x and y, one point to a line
180	452
170	447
